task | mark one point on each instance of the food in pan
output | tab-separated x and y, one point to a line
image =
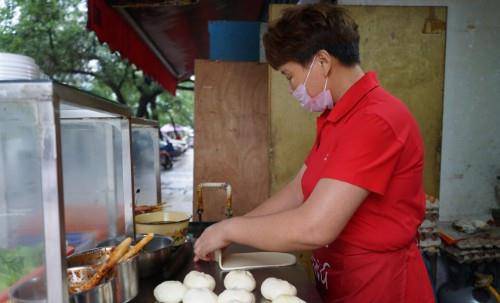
78	276
196	279
169	292
240	279
143	209
88	277
107	266
236	295
199	295
272	288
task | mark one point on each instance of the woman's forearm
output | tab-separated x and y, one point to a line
284	231
313	224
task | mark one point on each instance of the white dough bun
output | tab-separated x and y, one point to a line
169	292
240	279
199	295
196	279
272	288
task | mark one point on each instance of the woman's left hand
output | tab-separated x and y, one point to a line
212	239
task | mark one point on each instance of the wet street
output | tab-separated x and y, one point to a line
177	184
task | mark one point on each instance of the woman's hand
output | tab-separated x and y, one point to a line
212	239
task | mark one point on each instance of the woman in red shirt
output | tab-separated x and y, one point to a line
358	200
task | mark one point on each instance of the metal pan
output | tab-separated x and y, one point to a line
126	282
168	223
30	291
102	293
153	256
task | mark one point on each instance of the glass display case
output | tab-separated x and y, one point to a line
31	231
65	175
96	161
146	161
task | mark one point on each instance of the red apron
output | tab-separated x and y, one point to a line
348	274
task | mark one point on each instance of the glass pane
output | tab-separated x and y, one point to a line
144	157
21	216
93	180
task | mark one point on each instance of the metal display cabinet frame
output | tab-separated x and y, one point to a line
53	102
76	104
150	124
40	94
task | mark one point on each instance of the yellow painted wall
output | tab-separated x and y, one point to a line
292	132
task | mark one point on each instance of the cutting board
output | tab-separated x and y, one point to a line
253	260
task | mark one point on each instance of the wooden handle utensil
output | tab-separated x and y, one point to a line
114	258
136	248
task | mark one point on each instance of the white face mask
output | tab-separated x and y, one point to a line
317	103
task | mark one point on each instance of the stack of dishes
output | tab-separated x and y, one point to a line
18	67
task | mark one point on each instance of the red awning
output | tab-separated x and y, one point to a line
164	40
111	28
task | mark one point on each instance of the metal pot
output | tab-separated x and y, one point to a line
126	282
155	254
31	291
102	293
170	223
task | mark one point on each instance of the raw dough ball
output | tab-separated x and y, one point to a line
288	299
240	279
169	291
236	295
196	279
199	295
272	288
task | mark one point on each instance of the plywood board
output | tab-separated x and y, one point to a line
231	127
409	64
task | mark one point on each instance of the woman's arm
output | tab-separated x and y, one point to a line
288	197
314	224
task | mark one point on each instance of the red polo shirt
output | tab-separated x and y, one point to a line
370	139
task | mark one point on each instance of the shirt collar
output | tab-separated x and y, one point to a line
352	96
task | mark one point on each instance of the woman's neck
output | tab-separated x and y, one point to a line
342	78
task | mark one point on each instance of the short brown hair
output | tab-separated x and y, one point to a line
304	30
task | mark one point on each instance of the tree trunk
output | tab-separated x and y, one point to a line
119	97
173	124
142	109
154	112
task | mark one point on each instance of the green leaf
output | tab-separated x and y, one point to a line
54	33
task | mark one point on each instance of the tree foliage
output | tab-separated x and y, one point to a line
53	32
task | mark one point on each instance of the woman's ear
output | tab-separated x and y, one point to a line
326	62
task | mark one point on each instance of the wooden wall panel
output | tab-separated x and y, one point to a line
231	127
